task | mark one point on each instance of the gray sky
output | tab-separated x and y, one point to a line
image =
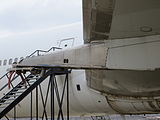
31	15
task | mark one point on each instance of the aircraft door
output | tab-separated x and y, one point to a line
66	43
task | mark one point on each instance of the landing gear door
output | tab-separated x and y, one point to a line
66	43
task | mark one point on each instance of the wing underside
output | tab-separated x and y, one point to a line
113	19
97	17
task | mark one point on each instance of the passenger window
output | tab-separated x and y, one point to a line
5	62
0	62
15	60
10	61
21	58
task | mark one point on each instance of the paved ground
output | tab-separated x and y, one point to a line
111	117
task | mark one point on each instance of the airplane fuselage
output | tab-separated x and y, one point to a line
82	102
120	89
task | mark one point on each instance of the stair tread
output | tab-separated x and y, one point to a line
12	95
20	88
8	99
5	103
3	107
18	92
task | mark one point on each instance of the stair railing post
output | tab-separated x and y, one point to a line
52	77
67	96
31	104
37	103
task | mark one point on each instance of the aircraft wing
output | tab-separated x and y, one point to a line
113	19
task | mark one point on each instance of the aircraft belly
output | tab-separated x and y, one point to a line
131	83
134	105
128	92
125	82
133	68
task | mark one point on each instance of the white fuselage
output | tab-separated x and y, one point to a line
83	102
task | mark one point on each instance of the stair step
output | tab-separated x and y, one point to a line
17	92
20	88
2	104
6	103
31	78
1	101
12	95
8	99
32	81
3	107
23	85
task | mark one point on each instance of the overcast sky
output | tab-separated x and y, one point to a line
31	15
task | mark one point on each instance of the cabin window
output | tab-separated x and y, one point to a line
10	61
15	60
78	87
5	62
21	58
0	62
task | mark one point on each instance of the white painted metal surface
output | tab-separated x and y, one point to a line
124	72
122	68
134	53
127	54
86	56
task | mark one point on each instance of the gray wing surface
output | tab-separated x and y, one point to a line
113	19
97	18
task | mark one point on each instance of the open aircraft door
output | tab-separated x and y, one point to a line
66	43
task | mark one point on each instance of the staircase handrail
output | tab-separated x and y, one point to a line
44	51
38	53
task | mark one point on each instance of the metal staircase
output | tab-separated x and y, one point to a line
21	90
31	81
13	97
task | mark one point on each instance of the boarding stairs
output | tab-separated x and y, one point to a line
15	95
30	81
